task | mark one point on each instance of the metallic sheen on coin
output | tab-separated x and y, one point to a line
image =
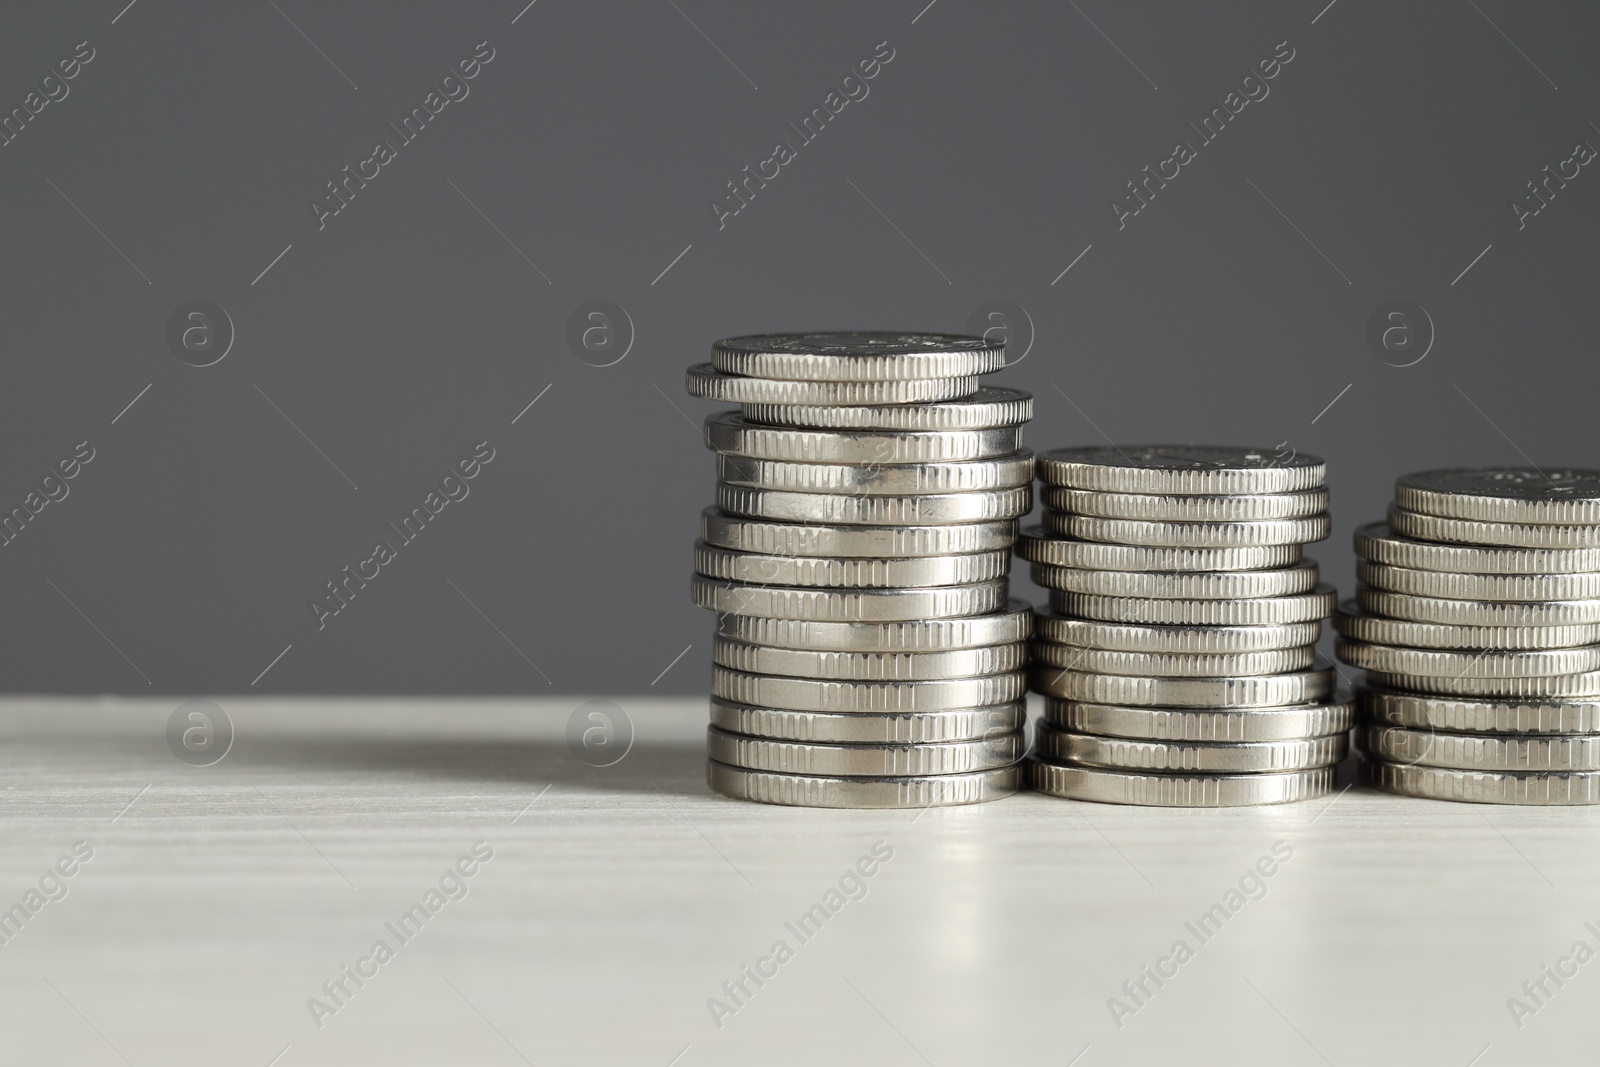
1482	752
1200	724
1208	757
1422	527
806	757
1008	472
1177	790
1504	494
809	791
1012	623
708	383
1192	585
1357	625
1188	469
1264	611
809	694
1375	542
1263	691
927	509
848	605
1035	547
1133	637
1174	664
876	542
1477	612
1189	534
728	432
890	727
1480	714
831	572
857	357
870	666
1454	586
1484	787
991	406
1181	508
1484	663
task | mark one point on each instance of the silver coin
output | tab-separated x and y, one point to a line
903	727
1452	586
1207	757
1189	534
1495	534
1377	543
1035	547
809	791
1008	472
708	383
1011	624
1132	637
857	542
848	605
1481	752
1504	494
1484	787
1469	715
1199	724
810	694
1174	664
807	757
1151	789
1586	684
989	407
822	572
729	432
1357	625
1186	585
1264	691
857	357
870	666
1263	611
926	509
1484	663
1185	508
1208	470
1477	612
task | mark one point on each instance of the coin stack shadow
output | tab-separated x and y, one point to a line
867	653
1477	621
1178	654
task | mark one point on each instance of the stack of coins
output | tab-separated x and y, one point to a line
1178	654
1478	623
867	652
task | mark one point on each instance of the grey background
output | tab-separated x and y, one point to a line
409	329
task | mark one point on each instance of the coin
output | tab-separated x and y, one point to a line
1471	715
920	510
763	569
1209	470
857	357
1189	534
1209	757
1485	663
1374	541
809	694
1177	790
1007	472
1501	534
1035	547
1485	787
989	407
1198	724
877	542
1357	625
807	757
1264	691
1504	494
810	791
729	432
856	727
708	383
1477	612
1011	623
1483	752
1174	664
849	605
1188	585
1185	508
1529	587
1132	637
870	666
1586	684
1263	611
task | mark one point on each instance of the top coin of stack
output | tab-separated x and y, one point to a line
1478	623
857	559
1178	654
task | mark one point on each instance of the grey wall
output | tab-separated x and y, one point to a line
1232	308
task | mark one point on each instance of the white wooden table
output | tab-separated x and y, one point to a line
219	900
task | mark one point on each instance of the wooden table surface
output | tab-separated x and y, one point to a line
606	908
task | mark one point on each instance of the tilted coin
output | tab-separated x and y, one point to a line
1202	724
989	407
1012	622
848	605
1484	714
1586	684
1262	611
1485	663
729	432
1583	586
1376	542
1035	547
870	666
1008	472
857	357
1264	691
1133	637
708	383
762	569
1496	534
810	694
1210	470
1356	624
1185	508
1174	664
1481	752
1484	787
857	727
1504	494
1187	585
1153	789
809	757
923	509
861	542
1203	757
1477	612
813	791
1189	534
